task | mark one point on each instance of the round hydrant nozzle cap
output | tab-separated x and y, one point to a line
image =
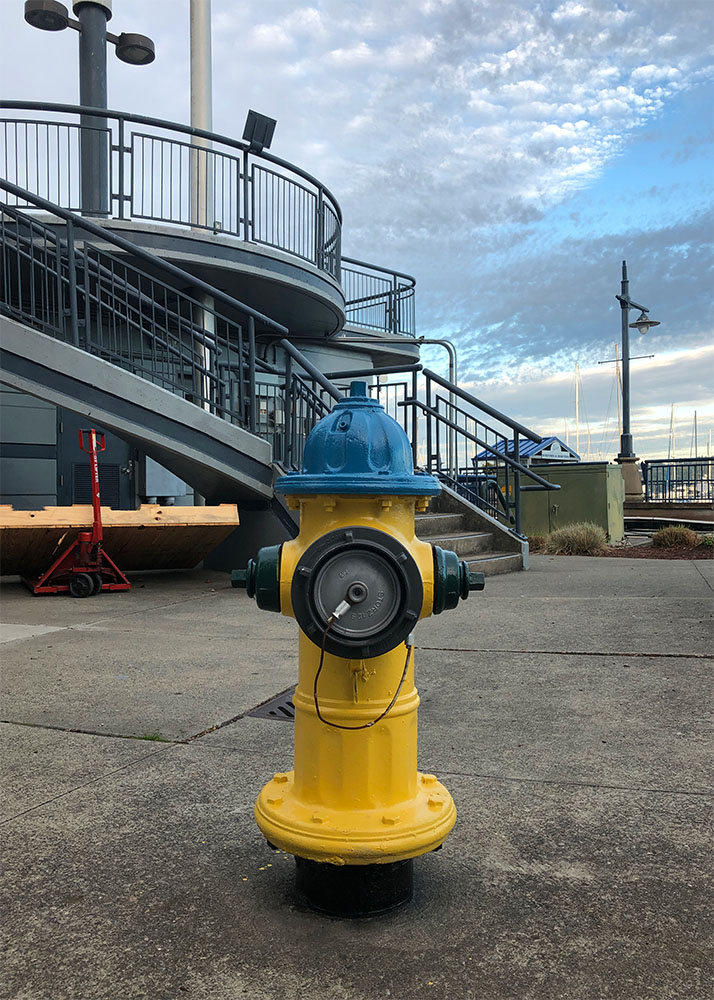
477	581
239	578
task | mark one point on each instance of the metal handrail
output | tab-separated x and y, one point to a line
235	199
511	462
127	246
377	288
199	133
320	235
481	405
81	279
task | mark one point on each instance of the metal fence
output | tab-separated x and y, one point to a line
58	280
680	480
378	299
169	173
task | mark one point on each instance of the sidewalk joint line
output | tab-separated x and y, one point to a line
86	784
571	652
84	732
576	784
696	567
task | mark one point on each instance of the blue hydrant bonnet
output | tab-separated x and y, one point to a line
358	448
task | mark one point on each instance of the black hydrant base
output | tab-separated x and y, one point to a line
355	890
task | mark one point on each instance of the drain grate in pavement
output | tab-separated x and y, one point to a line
280	707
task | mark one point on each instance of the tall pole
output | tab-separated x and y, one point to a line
201	112
626	436
94	145
202	209
627	457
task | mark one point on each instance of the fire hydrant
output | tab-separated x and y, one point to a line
355	811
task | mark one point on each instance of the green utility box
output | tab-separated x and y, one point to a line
589	491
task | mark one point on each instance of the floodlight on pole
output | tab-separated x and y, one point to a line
47	15
137	50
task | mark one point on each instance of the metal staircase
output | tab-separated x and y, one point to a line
97	324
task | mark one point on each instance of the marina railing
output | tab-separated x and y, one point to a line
169	173
680	480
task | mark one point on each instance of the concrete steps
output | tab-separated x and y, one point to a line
457	532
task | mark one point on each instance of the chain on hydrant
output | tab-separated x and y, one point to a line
355	810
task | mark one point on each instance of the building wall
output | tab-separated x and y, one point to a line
28	451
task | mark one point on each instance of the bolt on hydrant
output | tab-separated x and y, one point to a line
355	811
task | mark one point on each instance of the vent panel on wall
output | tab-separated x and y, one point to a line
108	484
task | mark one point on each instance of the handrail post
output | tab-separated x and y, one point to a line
246	198
72	273
517	482
288	449
393	307
251	375
427	396
415	419
120	164
320	231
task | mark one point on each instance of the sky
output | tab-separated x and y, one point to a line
508	154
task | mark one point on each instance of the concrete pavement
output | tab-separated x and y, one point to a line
568	709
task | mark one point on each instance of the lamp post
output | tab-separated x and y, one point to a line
138	50
627	457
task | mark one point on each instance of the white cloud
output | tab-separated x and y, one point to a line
452	133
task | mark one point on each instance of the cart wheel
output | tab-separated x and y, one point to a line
81	585
97	580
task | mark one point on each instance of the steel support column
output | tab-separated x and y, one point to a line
94	150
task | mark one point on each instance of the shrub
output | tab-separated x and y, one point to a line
675	536
581	539
536	543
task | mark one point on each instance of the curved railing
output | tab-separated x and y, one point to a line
116	165
377	298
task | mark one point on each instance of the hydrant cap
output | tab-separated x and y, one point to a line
358	448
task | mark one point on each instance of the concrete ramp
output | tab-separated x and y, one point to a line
222	461
152	537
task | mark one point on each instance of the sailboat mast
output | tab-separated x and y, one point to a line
618	386
670	443
577	408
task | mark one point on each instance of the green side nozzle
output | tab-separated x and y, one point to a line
476	581
245	578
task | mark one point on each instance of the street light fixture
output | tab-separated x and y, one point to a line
643	322
137	50
627	458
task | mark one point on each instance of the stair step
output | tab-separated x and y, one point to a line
438	524
495	563
464	543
